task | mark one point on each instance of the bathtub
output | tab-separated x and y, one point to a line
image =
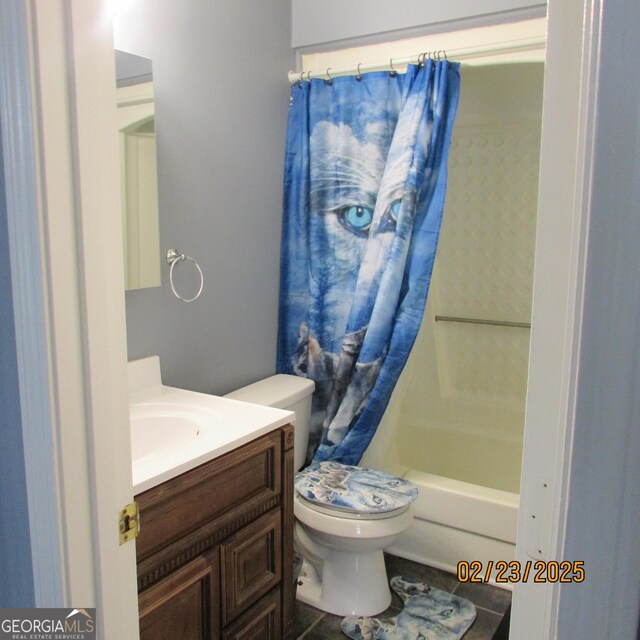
468	483
457	521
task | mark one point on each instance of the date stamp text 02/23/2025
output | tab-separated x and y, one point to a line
515	571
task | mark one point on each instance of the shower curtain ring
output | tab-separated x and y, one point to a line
329	78
359	76
393	73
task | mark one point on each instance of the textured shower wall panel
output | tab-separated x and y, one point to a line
483	363
485	257
466	383
476	458
485	263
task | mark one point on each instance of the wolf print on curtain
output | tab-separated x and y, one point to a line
365	179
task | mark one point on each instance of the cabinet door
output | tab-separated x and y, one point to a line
185	604
262	621
252	564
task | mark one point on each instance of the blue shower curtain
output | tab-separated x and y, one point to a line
365	179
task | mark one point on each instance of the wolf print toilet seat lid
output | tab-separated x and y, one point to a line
356	489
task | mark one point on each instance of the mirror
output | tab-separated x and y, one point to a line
139	178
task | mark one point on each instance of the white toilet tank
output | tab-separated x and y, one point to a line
283	391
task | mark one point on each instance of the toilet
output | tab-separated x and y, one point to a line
345	516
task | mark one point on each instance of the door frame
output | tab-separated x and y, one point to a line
58	109
558	292
579	480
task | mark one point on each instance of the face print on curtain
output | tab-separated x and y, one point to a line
365	178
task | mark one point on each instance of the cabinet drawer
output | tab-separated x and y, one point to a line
261	622
218	491
251	564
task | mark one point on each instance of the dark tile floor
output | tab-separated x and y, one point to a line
492	605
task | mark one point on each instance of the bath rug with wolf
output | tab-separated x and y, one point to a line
428	614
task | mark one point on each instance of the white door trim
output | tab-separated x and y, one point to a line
67	107
560	263
100	262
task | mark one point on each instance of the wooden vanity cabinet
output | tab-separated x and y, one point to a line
215	548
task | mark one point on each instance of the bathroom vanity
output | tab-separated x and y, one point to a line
215	549
213	481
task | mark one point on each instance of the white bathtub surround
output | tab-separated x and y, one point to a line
455	424
457	521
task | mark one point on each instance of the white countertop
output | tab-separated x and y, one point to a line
175	430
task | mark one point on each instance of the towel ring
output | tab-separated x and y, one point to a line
173	257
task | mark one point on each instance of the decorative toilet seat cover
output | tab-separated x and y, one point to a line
357	489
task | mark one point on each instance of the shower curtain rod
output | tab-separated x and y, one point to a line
511	46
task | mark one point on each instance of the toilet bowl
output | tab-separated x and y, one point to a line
345	516
343	570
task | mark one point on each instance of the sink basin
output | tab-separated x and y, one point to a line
174	430
158	435
160	429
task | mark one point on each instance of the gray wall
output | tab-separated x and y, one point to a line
220	72
316	22
16	582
